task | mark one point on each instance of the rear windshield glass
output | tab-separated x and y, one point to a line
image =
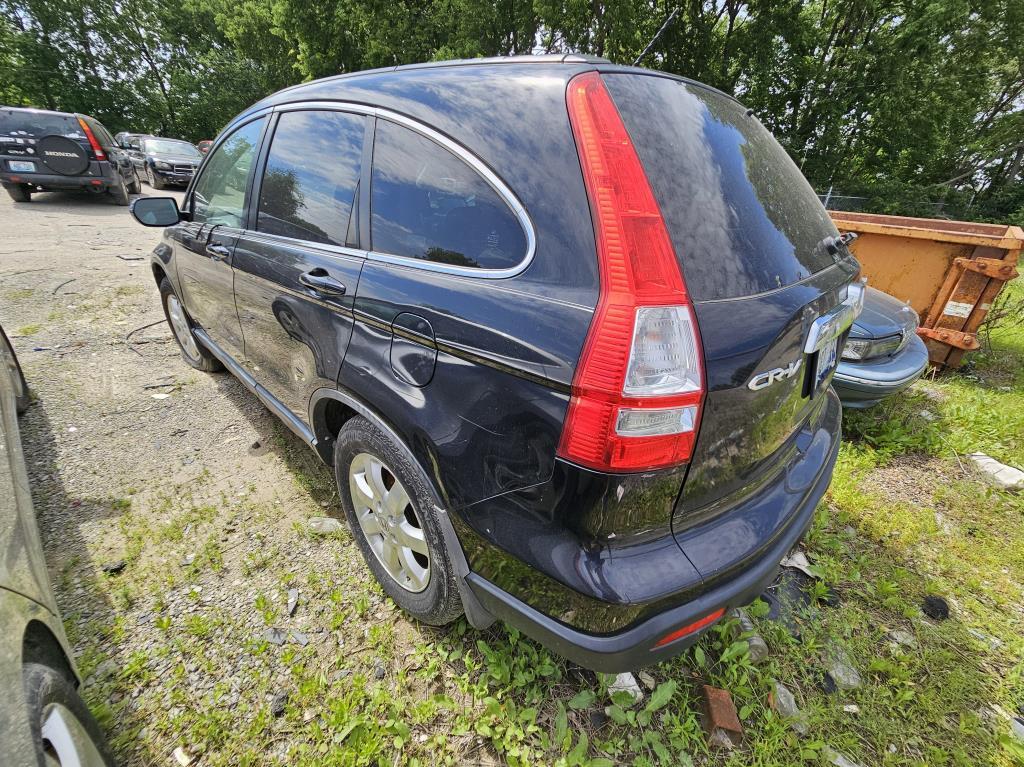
17	123
742	217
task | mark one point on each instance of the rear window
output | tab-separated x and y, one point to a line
30	124
428	204
742	217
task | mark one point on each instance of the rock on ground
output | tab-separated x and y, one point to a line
998	474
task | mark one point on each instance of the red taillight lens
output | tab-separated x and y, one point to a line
96	148
707	620
639	383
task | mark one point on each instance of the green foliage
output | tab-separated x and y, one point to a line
918	109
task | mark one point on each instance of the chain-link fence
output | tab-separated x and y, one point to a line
853	204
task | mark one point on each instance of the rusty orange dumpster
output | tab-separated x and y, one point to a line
949	271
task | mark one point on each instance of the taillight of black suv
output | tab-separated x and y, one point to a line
565	331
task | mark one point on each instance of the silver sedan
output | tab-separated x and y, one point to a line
43	720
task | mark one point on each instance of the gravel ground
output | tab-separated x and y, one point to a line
184	477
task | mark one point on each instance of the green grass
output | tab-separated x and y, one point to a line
903	519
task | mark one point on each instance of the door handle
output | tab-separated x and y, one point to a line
319	281
217	252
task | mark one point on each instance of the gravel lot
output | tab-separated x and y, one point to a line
213	628
184	477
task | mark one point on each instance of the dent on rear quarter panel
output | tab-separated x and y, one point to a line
489	420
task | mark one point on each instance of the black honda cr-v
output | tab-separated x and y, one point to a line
42	151
564	329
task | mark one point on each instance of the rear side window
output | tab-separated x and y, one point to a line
742	217
429	204
219	195
311	176
29	124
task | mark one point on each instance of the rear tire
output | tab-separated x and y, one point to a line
19	192
436	602
119	192
136	186
193	352
55	707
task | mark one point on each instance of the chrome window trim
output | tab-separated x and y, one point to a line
326	248
463	154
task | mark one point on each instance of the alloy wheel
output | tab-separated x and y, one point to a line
66	742
390	522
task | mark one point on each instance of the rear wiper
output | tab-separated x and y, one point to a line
833	244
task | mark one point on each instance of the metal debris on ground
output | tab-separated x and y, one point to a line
293	600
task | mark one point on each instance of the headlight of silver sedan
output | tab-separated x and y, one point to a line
857	349
163	165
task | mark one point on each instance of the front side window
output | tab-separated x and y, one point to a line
311	176
219	196
429	204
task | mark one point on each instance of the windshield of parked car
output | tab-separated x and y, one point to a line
30	123
168	146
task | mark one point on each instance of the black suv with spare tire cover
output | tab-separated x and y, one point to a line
42	151
564	329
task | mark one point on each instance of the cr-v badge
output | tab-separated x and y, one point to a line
767	378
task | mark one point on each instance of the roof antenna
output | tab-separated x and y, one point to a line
658	34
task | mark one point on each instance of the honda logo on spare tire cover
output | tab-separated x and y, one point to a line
62	155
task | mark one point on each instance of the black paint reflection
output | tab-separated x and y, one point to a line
311	176
427	203
742	217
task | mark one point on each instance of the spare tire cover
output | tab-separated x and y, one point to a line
62	155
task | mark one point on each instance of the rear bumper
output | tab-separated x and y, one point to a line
635	646
863	384
101	178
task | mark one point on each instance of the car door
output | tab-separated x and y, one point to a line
135	153
298	263
203	247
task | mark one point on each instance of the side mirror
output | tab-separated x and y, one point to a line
156	211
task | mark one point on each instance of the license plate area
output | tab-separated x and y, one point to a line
825	363
21	166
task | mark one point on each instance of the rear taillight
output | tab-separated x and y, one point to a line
96	148
639	384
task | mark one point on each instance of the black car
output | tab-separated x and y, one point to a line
164	162
564	329
42	151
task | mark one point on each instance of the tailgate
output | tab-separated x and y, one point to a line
764	267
